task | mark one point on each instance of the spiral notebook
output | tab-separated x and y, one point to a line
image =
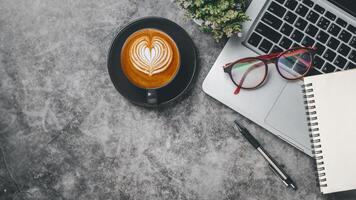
331	111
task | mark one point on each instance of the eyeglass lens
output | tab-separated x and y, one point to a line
248	73
294	64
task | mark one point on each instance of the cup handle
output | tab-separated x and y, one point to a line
151	96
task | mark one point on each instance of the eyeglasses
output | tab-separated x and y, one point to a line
251	73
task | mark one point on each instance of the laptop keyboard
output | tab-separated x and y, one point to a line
292	23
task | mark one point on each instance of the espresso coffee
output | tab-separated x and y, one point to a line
150	58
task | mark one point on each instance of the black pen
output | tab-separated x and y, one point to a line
271	163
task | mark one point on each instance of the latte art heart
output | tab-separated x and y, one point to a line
151	56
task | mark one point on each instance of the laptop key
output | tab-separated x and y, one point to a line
271	20
322	36
308	42
308	3
277	9
350	65
297	36
328	68
341	22
352	29
313	72
323	23
353	42
313	17
281	1
290	17
344	50
286	29
311	30
291	4
319	9
254	39
329	55
301	24
318	62
340	62
299	67
285	43
352	56
276	49
265	46
268	32
302	10
345	36
295	45
320	48
333	43
334	29
331	16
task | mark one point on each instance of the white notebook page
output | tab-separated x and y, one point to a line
335	101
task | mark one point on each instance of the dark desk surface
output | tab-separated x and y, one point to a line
65	133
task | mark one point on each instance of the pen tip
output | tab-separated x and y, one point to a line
293	186
238	125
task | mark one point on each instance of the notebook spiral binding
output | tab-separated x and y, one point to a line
312	118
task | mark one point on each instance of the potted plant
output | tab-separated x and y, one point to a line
221	18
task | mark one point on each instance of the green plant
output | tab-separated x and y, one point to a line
222	18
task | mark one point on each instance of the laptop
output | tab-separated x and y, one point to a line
277	25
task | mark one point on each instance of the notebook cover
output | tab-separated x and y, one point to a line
335	106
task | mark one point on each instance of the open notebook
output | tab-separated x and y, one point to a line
331	109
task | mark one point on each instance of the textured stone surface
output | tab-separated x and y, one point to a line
65	133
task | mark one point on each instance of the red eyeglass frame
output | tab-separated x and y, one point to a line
267	59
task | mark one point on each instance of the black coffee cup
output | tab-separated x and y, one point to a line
154	96
150	59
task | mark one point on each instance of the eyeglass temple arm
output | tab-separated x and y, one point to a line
269	56
293	53
275	55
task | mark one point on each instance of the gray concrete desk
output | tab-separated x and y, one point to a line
65	133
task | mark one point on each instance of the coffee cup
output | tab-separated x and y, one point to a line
150	59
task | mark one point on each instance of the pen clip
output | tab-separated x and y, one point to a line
276	173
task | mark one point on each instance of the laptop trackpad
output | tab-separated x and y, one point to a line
288	115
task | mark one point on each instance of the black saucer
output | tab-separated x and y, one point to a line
177	86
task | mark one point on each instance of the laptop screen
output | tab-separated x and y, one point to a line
347	5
